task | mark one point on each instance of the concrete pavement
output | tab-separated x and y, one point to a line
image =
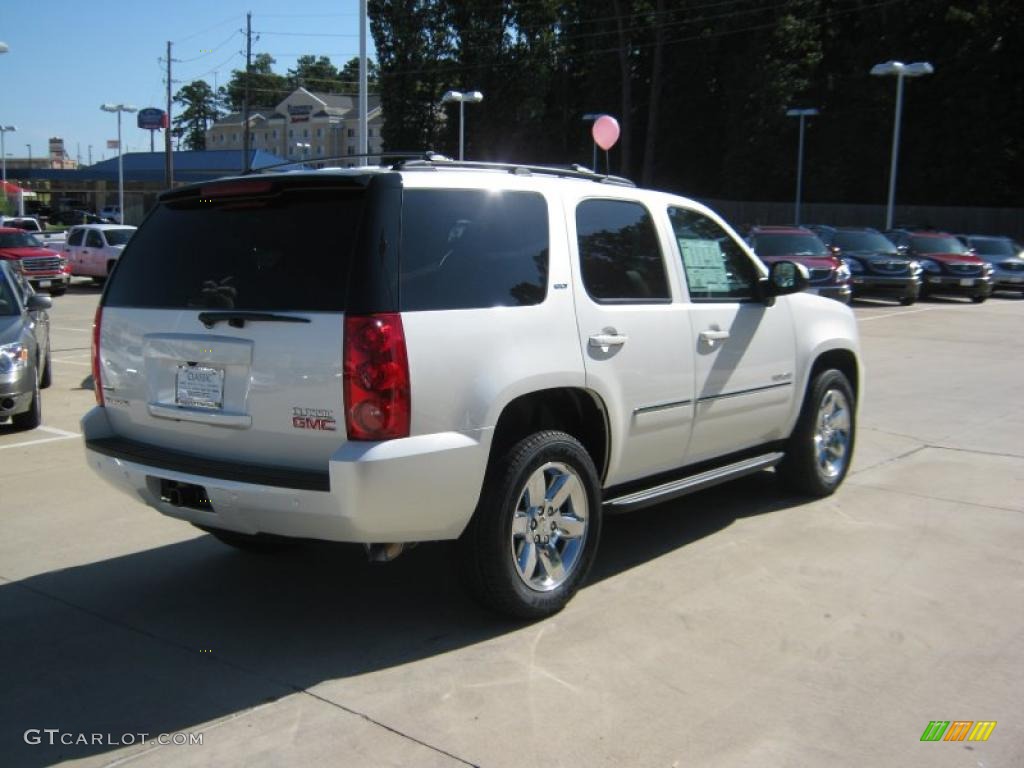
737	627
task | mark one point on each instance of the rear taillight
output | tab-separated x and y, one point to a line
376	382
97	380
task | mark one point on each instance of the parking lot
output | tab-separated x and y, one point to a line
737	627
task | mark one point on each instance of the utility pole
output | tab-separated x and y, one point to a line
245	103
168	155
90	154
363	101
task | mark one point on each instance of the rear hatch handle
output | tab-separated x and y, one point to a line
237	319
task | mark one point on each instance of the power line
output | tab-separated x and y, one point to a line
208	29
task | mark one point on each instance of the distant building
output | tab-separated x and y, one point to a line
327	122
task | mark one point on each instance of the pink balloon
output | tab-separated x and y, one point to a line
605	131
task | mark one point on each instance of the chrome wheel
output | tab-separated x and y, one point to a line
549	526
832	434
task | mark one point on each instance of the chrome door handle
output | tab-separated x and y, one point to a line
607	340
711	336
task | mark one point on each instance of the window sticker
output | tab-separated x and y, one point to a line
705	265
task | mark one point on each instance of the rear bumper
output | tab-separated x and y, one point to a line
417	489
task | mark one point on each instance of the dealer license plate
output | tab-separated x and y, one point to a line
966	281
44	283
199	387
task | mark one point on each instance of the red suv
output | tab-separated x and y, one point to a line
829	276
948	266
46	270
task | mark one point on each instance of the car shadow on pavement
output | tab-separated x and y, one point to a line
162	640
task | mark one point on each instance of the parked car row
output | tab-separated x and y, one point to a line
25	366
903	264
90	250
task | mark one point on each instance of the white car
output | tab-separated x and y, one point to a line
495	354
92	250
111	212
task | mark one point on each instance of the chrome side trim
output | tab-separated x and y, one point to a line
236	420
661	406
676	488
739	392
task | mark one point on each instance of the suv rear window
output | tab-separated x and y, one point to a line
288	251
468	249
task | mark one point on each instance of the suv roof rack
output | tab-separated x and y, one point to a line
316	164
437	162
428	160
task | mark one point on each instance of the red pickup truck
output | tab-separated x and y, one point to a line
46	270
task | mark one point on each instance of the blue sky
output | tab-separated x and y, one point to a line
67	57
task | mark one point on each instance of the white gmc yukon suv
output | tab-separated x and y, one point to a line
495	354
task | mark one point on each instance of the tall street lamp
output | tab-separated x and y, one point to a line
119	108
900	70
4	129
473	97
802	114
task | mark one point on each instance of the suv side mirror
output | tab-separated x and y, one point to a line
786	277
38	301
902	250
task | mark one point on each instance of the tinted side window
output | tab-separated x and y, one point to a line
75	238
93	239
620	258
465	249
716	267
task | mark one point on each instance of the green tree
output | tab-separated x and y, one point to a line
349	77
201	108
266	87
314	74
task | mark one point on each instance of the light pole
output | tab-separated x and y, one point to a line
589	118
119	108
900	70
802	114
4	129
473	97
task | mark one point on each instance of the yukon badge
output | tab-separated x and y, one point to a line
314	418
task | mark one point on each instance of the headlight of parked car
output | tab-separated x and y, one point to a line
915	267
986	268
852	265
930	266
13	357
842	273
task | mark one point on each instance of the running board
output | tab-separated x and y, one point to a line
698	482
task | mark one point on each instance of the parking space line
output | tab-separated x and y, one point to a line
37	442
896	314
61	432
75	330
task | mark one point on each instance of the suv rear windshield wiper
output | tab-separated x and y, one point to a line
237	319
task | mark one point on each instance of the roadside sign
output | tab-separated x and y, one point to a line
112	144
152	119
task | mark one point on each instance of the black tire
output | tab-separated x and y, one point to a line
260	543
47	378
59	292
908	301
802	469
493	554
99	280
33	417
979	299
